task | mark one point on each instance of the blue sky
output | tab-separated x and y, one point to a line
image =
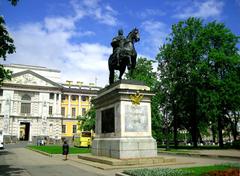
74	35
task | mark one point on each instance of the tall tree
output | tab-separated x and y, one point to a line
199	74
223	77
178	61
6	46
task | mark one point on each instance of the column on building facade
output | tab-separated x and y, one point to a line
54	104
59	104
79	105
69	105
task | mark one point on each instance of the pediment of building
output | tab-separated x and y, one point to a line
31	78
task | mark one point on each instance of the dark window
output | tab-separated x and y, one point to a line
1	92
63	111
51	96
25	104
74	130
57	96
84	98
50	110
108	122
86	134
83	111
63	128
0	108
64	97
74	97
73	112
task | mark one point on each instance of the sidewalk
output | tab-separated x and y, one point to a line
224	153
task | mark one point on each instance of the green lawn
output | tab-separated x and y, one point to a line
197	171
56	149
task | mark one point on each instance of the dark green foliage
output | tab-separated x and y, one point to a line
6	42
199	77
6	46
14	2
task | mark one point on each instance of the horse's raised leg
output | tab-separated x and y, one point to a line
111	76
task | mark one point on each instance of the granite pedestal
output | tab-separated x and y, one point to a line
123	121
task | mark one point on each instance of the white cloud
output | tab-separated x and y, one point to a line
156	32
205	9
103	13
45	45
151	12
48	43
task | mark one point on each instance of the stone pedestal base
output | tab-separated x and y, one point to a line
125	148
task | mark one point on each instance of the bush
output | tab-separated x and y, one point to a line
157	172
236	144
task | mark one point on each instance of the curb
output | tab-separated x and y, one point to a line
121	174
41	152
201	155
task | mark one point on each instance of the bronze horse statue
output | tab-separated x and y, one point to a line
127	56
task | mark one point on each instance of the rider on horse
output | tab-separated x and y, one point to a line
117	44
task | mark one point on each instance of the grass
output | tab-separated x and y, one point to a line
192	171
174	150
197	171
56	149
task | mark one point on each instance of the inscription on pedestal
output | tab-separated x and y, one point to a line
136	118
108	122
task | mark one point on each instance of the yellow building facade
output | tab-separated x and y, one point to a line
75	102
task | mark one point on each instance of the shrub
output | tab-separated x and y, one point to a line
236	144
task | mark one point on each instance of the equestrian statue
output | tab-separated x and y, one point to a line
124	53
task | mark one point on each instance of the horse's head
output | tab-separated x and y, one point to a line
134	35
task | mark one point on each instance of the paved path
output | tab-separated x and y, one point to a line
24	162
17	160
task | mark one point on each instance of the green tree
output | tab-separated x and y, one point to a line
88	120
6	46
199	76
178	61
223	78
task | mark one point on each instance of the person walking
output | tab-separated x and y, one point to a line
65	148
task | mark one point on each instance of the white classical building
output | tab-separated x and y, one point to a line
30	103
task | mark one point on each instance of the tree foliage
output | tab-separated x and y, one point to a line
88	120
6	46
199	76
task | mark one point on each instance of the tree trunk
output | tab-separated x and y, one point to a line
175	126
220	136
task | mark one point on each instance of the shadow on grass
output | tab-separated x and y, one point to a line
7	170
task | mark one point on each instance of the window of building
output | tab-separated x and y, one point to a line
1	92
64	97
51	96
83	111
73	112
74	97
25	105
50	110
84	98
63	111
57	96
74	130
63	128
0	108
